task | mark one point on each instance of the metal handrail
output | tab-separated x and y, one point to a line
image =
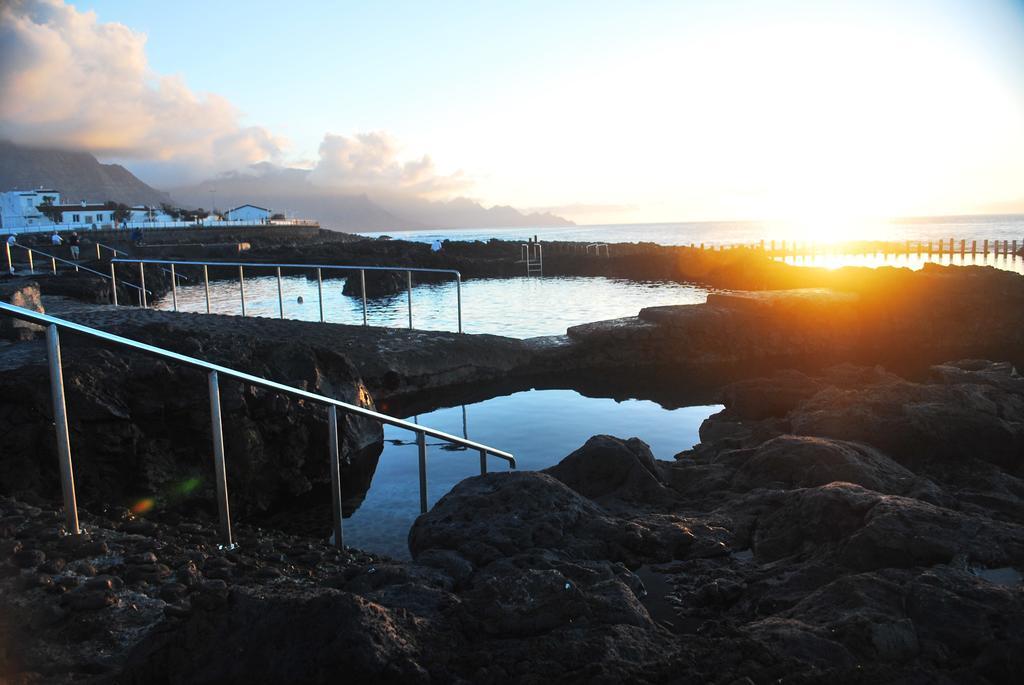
214	371
280	294
114	251
54	259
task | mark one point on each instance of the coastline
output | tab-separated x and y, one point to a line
808	534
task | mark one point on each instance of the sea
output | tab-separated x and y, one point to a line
967	227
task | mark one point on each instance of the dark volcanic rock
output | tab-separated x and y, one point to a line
915	422
795	461
140	426
316	638
488	517
606	465
21	293
867	531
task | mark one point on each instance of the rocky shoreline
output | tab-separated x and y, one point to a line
854	526
838	521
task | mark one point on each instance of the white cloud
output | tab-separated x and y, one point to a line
369	162
69	81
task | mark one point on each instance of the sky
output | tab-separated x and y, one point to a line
604	112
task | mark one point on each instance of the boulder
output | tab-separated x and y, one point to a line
485	518
862	530
918	423
791	461
608	466
21	293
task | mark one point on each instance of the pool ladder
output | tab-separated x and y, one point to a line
532	254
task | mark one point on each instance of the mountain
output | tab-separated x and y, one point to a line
289	190
77	175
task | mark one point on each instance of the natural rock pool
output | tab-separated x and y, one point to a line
513	307
540	427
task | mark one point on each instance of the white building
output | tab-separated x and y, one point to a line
86	216
19	209
250	213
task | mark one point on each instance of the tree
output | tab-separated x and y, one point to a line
119	211
50	210
171	210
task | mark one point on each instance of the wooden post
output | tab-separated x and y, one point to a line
974	247
984	248
773	247
1005	243
907	247
963	247
1014	249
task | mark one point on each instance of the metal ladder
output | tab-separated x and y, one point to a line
532	254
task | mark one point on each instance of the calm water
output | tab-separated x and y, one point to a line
513	307
991	227
540	427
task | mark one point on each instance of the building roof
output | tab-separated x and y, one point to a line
82	208
253	206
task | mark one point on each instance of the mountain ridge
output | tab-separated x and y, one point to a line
78	176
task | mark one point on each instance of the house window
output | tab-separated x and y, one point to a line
76	218
88	218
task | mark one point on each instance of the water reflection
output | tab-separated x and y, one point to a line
540	427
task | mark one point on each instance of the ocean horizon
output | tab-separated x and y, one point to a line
960	227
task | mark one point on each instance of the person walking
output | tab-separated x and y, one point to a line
73	242
55	239
11	242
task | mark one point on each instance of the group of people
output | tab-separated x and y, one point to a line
74	242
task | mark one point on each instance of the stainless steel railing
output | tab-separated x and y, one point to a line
214	372
409	271
78	267
114	252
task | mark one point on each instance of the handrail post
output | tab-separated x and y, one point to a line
10	262
280	295
458	296
174	289
362	286
335	466
53	264
408	280
113	282
241	286
206	283
421	443
142	285
483	462
31	265
220	475
60	421
320	290
98	251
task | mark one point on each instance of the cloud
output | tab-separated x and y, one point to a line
369	162
69	81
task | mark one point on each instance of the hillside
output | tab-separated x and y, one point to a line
77	175
289	190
